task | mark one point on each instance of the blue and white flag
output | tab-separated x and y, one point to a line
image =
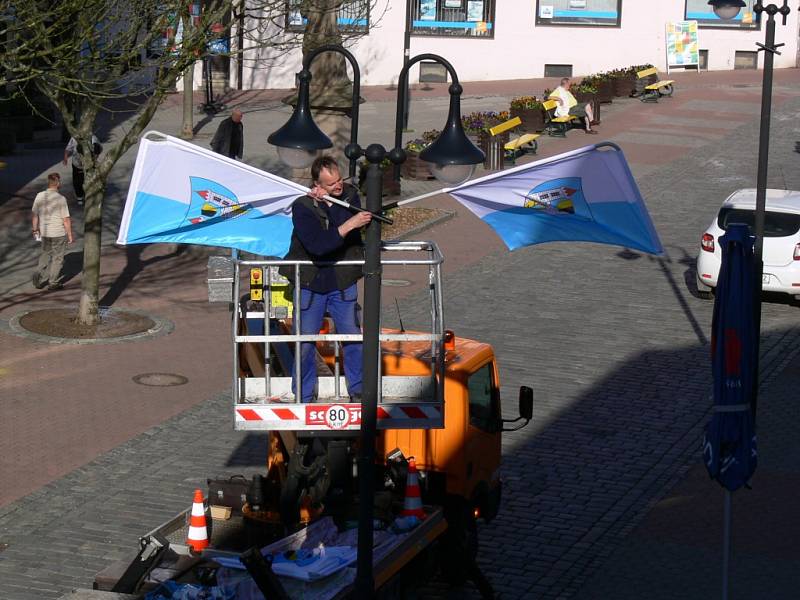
182	193
586	195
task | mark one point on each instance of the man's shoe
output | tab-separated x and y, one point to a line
55	286
37	283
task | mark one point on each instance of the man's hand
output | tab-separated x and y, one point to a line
317	192
357	221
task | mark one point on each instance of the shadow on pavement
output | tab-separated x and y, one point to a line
134	265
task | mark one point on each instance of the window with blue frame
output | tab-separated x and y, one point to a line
700	11
353	16
595	13
453	18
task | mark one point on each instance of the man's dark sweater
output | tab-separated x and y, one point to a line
325	244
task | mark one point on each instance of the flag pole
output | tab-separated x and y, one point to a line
392	205
380	218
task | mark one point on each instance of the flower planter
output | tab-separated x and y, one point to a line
532	118
640	84
389	187
415	168
605	90
624	86
484	137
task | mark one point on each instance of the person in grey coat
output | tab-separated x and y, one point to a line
229	138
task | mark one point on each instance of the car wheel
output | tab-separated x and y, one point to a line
703	291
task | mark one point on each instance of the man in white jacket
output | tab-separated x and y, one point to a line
568	105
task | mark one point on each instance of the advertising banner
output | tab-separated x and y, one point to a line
683	48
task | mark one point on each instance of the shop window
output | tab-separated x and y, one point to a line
483	405
700	11
353	16
595	13
558	70
432	72
745	59
454	18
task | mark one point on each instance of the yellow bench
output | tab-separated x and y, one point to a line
519	145
655	89
554	125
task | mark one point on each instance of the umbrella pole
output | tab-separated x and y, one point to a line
726	543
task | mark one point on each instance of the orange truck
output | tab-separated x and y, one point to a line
439	402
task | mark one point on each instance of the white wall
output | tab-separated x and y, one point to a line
520	49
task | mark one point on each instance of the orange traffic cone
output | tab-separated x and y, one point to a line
198	535
412	506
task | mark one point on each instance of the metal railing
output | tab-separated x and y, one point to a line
423	255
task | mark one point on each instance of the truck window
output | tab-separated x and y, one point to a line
481	399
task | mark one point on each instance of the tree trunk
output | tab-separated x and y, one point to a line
187	129
92	238
330	86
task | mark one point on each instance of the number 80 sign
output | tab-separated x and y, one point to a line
333	416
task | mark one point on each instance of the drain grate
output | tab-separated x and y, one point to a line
160	379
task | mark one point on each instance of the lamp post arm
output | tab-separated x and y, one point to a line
402	91
356	90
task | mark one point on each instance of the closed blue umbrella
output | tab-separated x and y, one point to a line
729	446
730	441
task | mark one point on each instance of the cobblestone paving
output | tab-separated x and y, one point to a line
614	344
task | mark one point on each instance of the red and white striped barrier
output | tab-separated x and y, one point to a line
344	416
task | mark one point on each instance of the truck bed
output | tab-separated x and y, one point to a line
390	553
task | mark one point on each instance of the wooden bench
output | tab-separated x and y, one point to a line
653	88
554	125
519	145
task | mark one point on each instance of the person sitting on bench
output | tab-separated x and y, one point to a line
568	105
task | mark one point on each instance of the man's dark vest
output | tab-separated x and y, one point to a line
346	275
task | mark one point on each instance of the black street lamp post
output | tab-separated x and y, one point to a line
454	158
729	9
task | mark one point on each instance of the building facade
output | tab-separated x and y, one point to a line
520	39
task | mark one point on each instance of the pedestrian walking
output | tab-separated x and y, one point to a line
51	226
229	138
73	150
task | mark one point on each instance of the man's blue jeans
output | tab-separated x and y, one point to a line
342	306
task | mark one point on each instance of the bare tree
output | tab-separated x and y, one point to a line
87	56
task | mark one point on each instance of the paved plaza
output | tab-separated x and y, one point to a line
605	495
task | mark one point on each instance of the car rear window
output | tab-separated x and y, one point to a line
776	224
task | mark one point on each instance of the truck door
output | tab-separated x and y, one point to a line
482	448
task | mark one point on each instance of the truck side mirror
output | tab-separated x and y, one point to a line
526	402
525	409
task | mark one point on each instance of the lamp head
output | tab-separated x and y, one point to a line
453	155
726	9
299	139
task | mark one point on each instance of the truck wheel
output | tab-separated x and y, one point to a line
460	541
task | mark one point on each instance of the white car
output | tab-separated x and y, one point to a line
781	240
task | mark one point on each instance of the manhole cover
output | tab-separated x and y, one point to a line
395	282
160	379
